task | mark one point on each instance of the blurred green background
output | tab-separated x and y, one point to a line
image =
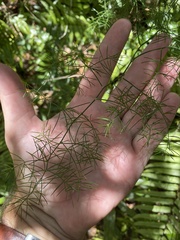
49	44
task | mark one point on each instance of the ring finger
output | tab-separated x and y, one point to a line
150	100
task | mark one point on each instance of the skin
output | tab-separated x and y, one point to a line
125	149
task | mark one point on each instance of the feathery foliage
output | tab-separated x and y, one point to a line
49	44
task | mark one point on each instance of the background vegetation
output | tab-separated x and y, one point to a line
49	43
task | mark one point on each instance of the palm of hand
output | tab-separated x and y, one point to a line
107	168
56	161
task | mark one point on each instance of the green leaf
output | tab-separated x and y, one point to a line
149	224
2	200
157	200
175	166
148	232
161	185
109	225
165	158
151	217
162	178
160	194
153	208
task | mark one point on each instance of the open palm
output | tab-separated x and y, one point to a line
74	168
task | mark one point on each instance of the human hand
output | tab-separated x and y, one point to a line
74	168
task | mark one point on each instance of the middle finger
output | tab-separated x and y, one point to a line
139	74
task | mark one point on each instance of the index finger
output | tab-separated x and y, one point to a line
104	60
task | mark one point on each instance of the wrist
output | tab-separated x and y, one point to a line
26	225
7	233
34	222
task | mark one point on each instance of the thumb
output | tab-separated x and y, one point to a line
17	108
